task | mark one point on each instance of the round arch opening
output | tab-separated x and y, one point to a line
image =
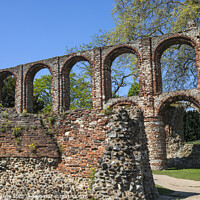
120	68
175	65
38	90
76	84
181	118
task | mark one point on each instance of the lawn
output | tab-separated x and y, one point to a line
190	174
164	191
193	142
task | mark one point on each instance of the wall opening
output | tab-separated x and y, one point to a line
76	84
121	77
124	76
42	100
182	127
7	89
38	83
80	86
178	67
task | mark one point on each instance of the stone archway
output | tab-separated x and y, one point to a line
28	84
171	111
107	62
65	79
158	52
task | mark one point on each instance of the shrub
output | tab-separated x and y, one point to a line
16	131
32	147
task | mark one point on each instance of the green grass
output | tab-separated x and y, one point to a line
164	191
190	174
193	142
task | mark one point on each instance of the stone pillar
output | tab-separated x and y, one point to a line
19	90
145	68
124	171
55	86
198	65
96	79
156	142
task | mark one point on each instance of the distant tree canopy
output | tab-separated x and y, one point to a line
80	92
134	89
80	88
42	101
191	126
8	92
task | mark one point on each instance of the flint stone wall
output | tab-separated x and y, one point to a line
114	145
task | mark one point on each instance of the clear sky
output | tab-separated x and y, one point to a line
33	30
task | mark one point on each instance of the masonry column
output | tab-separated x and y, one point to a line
97	79
198	64
156	142
19	89
55	87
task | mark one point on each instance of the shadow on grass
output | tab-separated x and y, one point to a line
175	195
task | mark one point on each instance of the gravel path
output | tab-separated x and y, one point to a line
184	189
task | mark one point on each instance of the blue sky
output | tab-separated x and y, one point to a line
33	30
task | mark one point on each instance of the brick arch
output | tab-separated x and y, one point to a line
3	75
177	97
28	84
126	102
107	62
159	50
65	80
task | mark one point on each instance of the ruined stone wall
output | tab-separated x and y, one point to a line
179	155
173	122
187	156
151	100
112	142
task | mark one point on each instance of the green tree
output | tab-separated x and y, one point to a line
42	94
191	126
143	18
80	91
178	66
134	89
135	19
8	91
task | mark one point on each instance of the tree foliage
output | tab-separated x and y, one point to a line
134	89
42	94
191	126
178	66
8	92
80	92
140	18
80	86
124	72
135	19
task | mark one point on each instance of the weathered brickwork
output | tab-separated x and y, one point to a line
67	147
151	100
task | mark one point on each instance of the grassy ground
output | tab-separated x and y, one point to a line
164	191
193	142
190	174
